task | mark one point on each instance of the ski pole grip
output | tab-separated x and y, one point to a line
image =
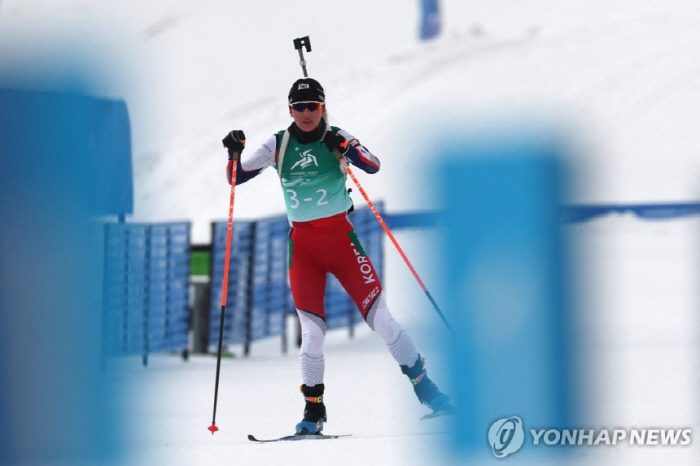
233	155
343	163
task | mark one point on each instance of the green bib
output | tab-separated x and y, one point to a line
312	181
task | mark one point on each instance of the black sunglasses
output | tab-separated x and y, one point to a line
311	106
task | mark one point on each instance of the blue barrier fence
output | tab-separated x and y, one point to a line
146	288
259	298
235	321
147	276
582	213
569	214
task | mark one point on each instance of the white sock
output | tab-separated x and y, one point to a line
313	335
397	340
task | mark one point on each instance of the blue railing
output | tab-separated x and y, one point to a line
146	279
146	288
581	213
570	213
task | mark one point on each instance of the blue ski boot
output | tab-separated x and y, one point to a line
314	412
425	389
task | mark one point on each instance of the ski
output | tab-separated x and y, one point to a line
297	437
441	412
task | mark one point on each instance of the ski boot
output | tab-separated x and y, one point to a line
314	412
426	390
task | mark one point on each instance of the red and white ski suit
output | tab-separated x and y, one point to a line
329	245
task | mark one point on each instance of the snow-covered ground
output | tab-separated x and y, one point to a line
640	331
367	397
621	79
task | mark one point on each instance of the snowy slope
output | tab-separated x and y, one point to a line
624	75
632	101
621	76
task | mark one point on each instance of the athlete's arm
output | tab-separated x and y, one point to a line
252	166
358	154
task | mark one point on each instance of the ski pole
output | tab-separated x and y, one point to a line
234	165
393	240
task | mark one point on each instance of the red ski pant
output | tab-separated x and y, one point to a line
329	245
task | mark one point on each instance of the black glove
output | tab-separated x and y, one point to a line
234	142
335	141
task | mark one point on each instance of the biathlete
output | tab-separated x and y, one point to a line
322	241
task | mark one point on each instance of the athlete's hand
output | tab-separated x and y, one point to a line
234	142
335	141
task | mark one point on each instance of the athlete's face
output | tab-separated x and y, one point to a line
307	115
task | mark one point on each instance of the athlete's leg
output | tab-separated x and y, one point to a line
313	335
405	353
397	340
350	264
356	273
307	278
354	270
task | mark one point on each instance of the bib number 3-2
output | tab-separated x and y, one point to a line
295	202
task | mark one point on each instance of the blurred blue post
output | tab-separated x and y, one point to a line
57	405
505	282
110	158
430	22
